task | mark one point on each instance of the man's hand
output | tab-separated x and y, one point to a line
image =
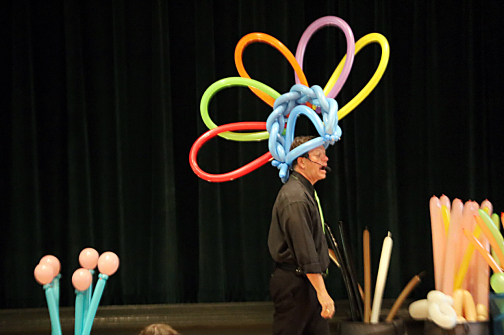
327	305
323	297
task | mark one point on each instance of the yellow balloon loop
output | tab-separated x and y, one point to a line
369	38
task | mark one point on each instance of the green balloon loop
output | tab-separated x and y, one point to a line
227	83
496	221
493	229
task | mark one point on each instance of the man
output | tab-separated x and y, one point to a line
298	246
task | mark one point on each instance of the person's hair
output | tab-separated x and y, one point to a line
158	329
298	140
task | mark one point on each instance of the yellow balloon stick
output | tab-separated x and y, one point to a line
464	266
446	218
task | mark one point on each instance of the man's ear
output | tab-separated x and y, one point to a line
300	162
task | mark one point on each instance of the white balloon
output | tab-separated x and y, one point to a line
418	309
445	318
436	296
447	309
449	299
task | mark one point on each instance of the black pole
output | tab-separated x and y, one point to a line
344	272
347	254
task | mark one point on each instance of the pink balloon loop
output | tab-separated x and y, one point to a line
88	258
81	279
52	261
108	263
312	28
44	273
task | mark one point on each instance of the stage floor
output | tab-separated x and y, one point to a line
188	319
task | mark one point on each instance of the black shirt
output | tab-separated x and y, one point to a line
296	235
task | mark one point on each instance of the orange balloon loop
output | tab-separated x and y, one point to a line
265	38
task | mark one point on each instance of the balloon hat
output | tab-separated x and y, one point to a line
86	301
301	100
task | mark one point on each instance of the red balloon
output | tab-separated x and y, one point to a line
44	273
240	172
81	279
88	258
52	261
108	263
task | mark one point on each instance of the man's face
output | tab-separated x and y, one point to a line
310	169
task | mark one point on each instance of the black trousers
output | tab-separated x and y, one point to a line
297	310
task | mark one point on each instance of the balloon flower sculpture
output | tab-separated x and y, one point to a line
301	100
461	276
86	301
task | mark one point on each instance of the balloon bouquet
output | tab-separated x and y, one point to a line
47	273
461	276
301	100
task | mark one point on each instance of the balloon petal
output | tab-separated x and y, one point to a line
312	28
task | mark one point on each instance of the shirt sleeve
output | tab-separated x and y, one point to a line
298	227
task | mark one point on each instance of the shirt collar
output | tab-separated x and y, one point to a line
304	181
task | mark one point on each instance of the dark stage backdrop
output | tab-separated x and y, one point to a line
100	106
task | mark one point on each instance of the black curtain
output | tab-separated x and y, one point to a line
100	106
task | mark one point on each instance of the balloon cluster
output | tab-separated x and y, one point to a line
86	301
458	229
300	94
446	311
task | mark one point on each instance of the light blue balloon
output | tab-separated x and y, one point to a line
56	289
95	301
88	294
280	152
53	310
79	311
331	118
304	148
321	99
275	117
304	90
287	97
291	122
291	104
272	141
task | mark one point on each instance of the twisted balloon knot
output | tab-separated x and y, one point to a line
331	139
284	169
286	109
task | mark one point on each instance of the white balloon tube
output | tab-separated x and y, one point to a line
443	315
418	310
381	278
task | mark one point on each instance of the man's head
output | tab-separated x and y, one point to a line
312	164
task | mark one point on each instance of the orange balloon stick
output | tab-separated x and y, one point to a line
486	255
265	38
367	276
404	294
490	237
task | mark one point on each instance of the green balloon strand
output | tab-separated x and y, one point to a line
227	83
